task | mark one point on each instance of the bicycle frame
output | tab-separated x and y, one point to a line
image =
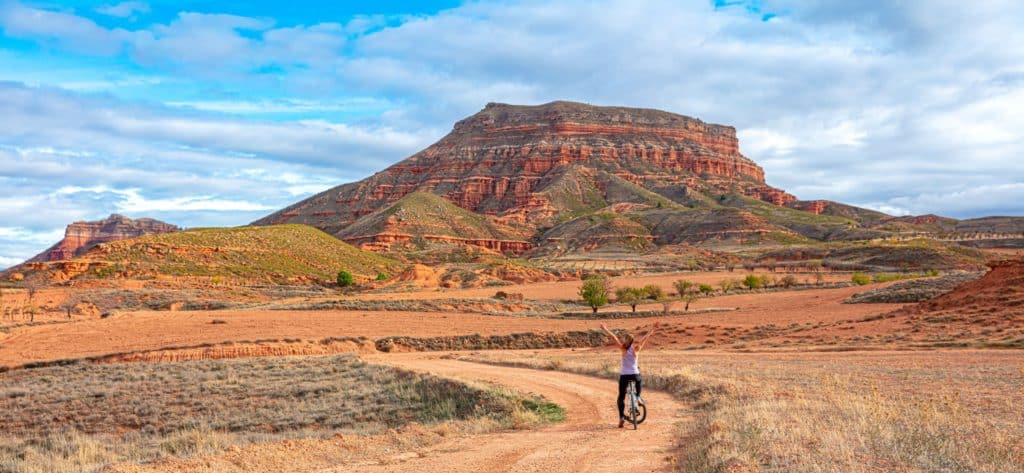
634	410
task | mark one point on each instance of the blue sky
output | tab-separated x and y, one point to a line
216	113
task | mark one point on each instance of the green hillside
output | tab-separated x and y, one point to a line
425	214
273	253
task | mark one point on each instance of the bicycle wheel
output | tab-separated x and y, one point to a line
641	413
633	405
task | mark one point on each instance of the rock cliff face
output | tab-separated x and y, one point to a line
79	237
504	161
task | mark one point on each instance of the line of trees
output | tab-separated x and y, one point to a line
596	290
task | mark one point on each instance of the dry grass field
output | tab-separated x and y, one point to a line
956	411
84	417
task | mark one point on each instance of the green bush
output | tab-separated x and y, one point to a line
652	292
706	289
382	277
860	279
753	281
345	279
682	287
630	296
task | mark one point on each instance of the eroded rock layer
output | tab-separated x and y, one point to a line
79	237
500	161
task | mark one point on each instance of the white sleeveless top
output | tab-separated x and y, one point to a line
629	362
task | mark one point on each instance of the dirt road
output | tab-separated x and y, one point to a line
588	440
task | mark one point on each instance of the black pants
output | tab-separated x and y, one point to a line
624	380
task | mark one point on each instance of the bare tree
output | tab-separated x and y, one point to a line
31	288
69	304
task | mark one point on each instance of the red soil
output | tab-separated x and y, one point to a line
155	330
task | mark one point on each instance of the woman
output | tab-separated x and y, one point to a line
630	366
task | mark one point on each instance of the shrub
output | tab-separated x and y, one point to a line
652	292
860	279
630	296
682	287
788	281
382	277
753	281
726	285
594	291
345	279
706	289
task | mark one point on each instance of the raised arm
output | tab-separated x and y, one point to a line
612	335
643	341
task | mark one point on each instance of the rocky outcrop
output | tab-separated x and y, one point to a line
816	207
500	161
79	237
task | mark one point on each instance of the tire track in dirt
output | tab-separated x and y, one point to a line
588	440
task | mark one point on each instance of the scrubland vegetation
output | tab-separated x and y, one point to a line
83	417
819	412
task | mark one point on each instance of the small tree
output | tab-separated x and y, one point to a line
726	285
682	287
860	279
69	304
382	277
688	298
788	281
706	289
752	281
594	291
345	279
630	296
652	292
31	288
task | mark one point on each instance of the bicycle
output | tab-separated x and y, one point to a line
637	409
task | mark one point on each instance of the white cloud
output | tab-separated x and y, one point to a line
133	202
124	9
49	119
912	107
67	30
286	106
24	234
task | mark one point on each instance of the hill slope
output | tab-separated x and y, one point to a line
284	253
422	215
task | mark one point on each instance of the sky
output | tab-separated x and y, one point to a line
217	113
